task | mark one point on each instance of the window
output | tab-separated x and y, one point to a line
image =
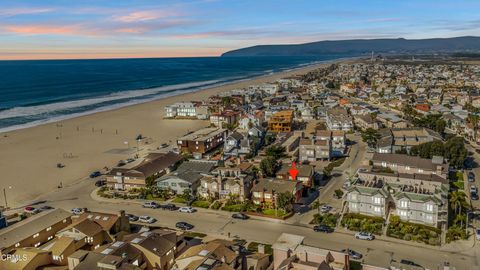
429	217
402	213
268	196
173	184
430	207
36	235
404	204
407	168
49	228
377	200
420	170
377	209
50	237
354	205
17	244
384	164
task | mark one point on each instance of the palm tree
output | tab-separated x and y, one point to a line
458	199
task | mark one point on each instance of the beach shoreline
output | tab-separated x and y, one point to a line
91	142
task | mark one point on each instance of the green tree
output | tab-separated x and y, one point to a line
371	137
268	166
276	151
284	201
455	151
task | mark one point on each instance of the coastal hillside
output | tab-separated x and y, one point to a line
361	46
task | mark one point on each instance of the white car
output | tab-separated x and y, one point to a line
77	211
325	208
186	209
147	219
364	236
473	189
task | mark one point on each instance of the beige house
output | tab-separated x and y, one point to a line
289	253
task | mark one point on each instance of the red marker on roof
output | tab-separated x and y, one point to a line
293	172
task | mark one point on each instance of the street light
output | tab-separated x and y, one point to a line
5	196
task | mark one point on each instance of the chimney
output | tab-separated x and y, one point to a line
224	259
261	248
121	213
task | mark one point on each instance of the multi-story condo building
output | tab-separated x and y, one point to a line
397	139
266	190
225	118
411	164
413	196
314	149
281	121
202	141
186	110
34	231
339	119
337	140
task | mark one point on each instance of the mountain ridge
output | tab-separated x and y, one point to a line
363	46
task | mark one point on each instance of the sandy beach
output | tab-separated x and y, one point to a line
29	157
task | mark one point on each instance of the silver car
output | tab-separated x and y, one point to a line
364	236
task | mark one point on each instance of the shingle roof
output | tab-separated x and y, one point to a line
21	230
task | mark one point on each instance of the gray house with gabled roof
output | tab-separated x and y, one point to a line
186	177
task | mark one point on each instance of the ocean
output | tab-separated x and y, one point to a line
39	91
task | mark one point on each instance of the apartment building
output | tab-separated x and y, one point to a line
202	140
412	188
134	175
399	139
338	119
314	149
225	118
34	231
411	164
281	121
186	110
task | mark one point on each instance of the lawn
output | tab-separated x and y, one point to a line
253	247
233	207
150	197
194	234
358	222
201	204
271	212
179	200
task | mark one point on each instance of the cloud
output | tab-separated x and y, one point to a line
142	16
10	12
37	29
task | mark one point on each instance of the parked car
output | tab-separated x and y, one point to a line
474	196
186	209
153	205
77	211
477	233
364	236
95	174
45	208
182	225
168	206
325	208
408	262
100	183
471	177
130	160
31	210
353	254
323	228
131	217
121	163
147	219
240	216
473	189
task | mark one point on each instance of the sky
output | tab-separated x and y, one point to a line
61	29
